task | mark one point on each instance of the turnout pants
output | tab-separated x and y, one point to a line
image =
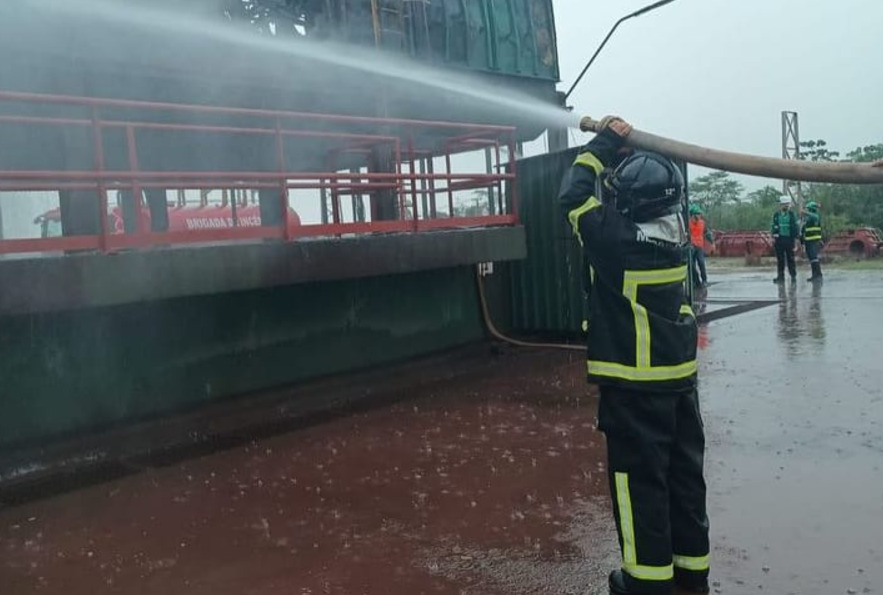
656	449
813	248
785	253
700	275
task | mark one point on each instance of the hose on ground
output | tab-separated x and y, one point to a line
489	324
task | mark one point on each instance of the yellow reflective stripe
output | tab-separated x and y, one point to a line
626	522
585	326
695	563
642	323
686	310
656	276
589	160
627	528
615	370
812	232
650	573
574	215
632	280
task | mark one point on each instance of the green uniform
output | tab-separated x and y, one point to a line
784	224
812	241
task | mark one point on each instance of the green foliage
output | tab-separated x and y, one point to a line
844	205
745	215
817	150
767	197
713	192
841	206
866	154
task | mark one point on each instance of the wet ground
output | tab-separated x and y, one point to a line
793	399
495	484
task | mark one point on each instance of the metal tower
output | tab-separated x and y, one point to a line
791	150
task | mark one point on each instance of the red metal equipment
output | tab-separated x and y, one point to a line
861	242
320	138
743	243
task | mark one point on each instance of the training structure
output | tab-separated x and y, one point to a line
207	219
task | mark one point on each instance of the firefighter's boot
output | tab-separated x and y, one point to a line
690	583
618	585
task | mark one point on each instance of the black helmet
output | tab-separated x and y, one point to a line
647	186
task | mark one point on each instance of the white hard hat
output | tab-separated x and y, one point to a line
784	200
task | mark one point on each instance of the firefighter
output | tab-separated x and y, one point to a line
642	353
699	233
811	236
785	231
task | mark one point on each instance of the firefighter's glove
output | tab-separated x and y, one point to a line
616	124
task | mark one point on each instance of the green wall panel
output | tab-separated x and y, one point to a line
72	371
547	293
512	37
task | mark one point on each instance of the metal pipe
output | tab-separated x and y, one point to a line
753	165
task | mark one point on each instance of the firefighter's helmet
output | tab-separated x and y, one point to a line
646	186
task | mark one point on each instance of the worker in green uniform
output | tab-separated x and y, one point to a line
785	233
811	236
642	340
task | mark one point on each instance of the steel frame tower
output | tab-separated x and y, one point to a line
791	150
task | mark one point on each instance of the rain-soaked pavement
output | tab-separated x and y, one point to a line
496	485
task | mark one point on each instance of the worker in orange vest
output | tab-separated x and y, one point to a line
698	234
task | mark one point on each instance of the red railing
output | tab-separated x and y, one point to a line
121	129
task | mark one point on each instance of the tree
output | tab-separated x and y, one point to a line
767	197
817	150
846	206
713	191
866	154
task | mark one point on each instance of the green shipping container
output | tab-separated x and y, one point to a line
511	37
547	293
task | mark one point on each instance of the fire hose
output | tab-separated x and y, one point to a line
753	165
495	333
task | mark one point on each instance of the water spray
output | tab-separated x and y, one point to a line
384	67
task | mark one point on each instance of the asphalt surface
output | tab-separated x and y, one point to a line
495	483
794	409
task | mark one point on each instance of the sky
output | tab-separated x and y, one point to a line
719	73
